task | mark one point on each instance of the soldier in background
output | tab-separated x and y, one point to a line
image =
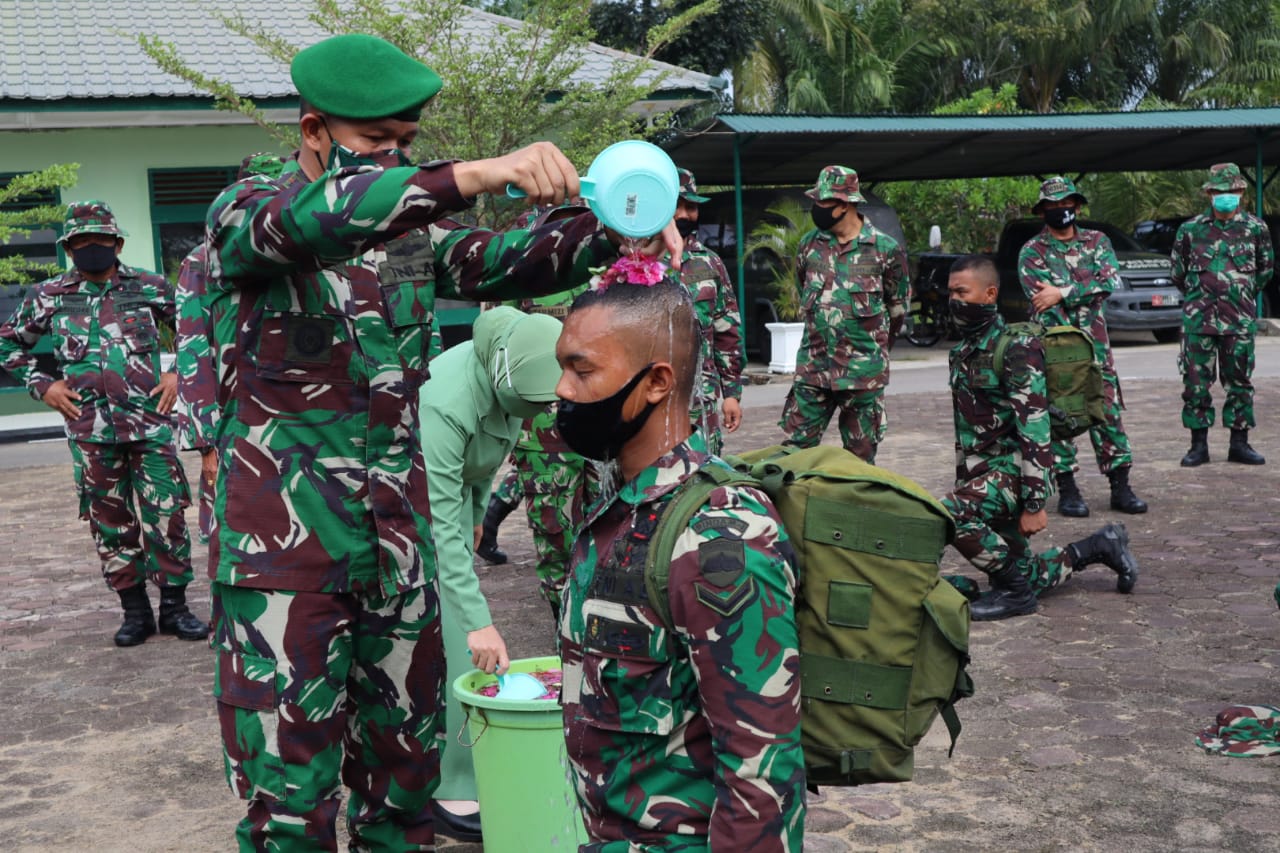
104	318
1222	259
1003	458
717	403
327	625
854	284
688	738
1067	274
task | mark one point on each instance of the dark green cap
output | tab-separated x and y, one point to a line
358	76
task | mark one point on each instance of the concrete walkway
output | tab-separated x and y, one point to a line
1080	736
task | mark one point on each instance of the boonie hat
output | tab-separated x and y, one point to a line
362	77
261	163
836	182
689	187
1057	189
1224	177
89	217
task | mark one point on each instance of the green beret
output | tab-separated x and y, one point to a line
357	76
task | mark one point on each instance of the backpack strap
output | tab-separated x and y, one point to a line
674	520
1005	340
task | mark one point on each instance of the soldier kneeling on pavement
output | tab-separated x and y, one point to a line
1003	457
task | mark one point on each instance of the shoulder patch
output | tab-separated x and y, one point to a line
722	561
723	523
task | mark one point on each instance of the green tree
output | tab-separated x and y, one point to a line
15	269
499	94
713	33
779	238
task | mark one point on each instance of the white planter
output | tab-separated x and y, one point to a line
784	340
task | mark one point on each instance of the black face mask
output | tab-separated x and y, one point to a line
825	217
973	318
687	227
94	258
1059	217
596	430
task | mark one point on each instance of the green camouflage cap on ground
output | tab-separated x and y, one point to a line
1224	177
261	163
689	187
836	182
361	77
1056	189
89	217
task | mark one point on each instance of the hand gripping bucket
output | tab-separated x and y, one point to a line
527	800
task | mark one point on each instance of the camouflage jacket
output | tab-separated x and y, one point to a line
106	342
686	740
328	319
1221	267
1002	420
1087	268
703	273
197	409
851	297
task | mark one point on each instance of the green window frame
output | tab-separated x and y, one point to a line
179	199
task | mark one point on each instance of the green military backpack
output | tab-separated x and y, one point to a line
1072	376
883	642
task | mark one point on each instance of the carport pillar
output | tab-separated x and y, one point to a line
738	244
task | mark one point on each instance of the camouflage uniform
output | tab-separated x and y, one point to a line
686	740
716	304
321	494
854	298
106	341
1002	455
1087	268
197	407
1221	266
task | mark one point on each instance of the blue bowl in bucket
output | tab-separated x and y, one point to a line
631	187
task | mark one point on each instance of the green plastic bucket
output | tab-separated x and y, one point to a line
527	800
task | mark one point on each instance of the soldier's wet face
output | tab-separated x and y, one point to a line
598	356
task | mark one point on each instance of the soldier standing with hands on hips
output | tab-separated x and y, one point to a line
104	319
1067	273
854	283
326	620
1221	260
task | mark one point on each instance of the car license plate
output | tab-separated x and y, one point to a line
1160	300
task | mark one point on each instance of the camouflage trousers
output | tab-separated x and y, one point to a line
1110	443
808	411
153	542
315	690
1204	358
986	508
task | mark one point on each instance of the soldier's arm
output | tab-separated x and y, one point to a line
732	600
197	407
726	324
444	445
1266	256
897	290
1028	396
1032	271
1105	277
18	336
474	263
1178	256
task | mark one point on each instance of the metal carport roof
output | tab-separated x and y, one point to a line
791	149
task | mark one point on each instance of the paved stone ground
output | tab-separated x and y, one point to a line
1079	738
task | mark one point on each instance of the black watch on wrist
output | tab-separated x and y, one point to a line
1032	506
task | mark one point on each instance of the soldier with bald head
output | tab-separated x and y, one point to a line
687	736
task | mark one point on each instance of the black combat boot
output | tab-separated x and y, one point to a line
1122	497
1110	546
1199	452
176	619
1010	595
1241	452
488	549
1070	501
139	621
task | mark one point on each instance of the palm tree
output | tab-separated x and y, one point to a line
779	238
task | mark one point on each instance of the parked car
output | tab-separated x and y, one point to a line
1144	301
1157	235
717	229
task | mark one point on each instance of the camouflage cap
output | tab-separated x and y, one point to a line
362	77
89	217
836	182
261	164
689	187
1224	177
1056	189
